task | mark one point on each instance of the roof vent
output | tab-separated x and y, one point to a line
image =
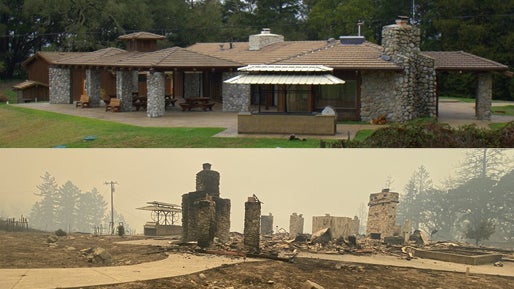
352	40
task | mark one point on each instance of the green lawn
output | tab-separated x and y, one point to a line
29	128
503	110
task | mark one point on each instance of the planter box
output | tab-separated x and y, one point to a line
459	256
270	123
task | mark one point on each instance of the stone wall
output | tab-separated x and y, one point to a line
295	225
267	225
382	213
59	85
339	226
236	97
484	96
93	86
124	89
252	225
378	95
155	89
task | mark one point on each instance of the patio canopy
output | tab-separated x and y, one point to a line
314	79
286	74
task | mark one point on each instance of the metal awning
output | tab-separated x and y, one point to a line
285	68
298	79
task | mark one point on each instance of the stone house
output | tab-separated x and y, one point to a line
395	80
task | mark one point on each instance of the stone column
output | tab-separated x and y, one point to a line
155	101
295	225
135	81
193	84
252	225
124	89
267	225
236	97
484	95
205	222
60	85
93	86
223	219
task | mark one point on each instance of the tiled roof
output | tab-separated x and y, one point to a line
338	56
164	58
27	84
98	57
52	56
460	60
269	54
141	35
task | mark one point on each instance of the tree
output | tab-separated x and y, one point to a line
91	208
480	231
503	194
66	215
282	16
412	204
43	213
486	162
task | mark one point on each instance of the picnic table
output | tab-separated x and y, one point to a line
193	102
139	102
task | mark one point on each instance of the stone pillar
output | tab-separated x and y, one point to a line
60	85
205	221
193	84
267	225
484	96
252	225
93	86
406	232
223	219
236	97
135	81
295	225
124	89
188	214
155	87
208	181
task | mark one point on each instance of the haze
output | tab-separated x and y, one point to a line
309	182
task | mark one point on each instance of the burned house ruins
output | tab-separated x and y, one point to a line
339	226
204	214
382	215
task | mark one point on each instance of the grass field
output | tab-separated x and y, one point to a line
28	128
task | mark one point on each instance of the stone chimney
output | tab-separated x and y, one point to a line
401	39
265	38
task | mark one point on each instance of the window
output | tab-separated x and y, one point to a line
337	96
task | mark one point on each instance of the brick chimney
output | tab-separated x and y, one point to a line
265	38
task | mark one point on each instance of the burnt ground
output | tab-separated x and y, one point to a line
31	250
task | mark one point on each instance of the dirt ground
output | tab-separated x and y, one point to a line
31	250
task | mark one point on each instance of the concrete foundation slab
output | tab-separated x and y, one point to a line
459	256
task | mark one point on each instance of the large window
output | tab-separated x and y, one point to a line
342	96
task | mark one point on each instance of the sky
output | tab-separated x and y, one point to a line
312	182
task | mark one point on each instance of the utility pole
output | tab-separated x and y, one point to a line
111	225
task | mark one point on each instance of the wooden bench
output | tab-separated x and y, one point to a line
83	102
114	105
202	103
